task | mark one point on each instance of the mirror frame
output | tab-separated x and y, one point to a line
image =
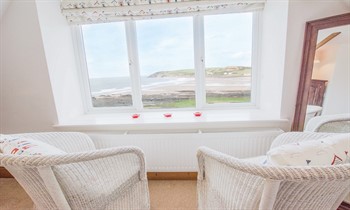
308	56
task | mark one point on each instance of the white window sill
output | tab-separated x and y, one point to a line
180	121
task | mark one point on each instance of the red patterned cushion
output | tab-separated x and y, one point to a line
26	146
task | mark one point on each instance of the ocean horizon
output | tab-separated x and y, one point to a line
100	86
122	85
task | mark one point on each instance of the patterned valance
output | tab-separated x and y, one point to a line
93	11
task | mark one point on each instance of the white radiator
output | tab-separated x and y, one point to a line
174	152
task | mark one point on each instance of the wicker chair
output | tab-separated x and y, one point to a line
339	123
225	182
84	178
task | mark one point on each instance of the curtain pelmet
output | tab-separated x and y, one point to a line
99	11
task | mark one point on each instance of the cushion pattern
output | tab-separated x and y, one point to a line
26	146
326	151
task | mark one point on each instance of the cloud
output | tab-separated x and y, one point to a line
215	36
166	43
241	55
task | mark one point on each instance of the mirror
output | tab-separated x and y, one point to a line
323	77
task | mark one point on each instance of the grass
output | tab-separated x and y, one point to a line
213	100
227	72
191	102
177	104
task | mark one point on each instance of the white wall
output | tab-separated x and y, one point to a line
26	102
273	46
4	4
326	57
337	97
327	54
61	60
334	66
299	13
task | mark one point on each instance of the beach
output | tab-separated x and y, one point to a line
174	92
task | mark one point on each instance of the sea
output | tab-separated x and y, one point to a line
122	85
104	86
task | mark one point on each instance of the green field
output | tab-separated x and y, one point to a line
191	102
213	100
229	71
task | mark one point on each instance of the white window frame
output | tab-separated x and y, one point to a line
199	66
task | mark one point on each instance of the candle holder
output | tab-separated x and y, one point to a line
167	115
197	114
135	116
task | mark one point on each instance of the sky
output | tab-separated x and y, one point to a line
167	44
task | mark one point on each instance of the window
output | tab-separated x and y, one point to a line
107	64
166	62
228	48
182	62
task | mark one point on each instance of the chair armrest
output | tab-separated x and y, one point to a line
69	158
293	137
286	173
315	124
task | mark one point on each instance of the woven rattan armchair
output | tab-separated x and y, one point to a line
84	178
339	123
225	182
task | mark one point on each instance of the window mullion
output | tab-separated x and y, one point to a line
255	58
134	66
199	57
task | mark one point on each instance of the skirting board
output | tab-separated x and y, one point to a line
4	173
172	175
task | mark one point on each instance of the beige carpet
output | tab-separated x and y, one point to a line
164	195
173	194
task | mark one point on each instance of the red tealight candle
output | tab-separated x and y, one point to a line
135	116
167	115
197	114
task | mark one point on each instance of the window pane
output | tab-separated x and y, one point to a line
228	46
107	62
166	62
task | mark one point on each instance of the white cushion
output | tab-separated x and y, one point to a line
260	160
26	146
327	151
